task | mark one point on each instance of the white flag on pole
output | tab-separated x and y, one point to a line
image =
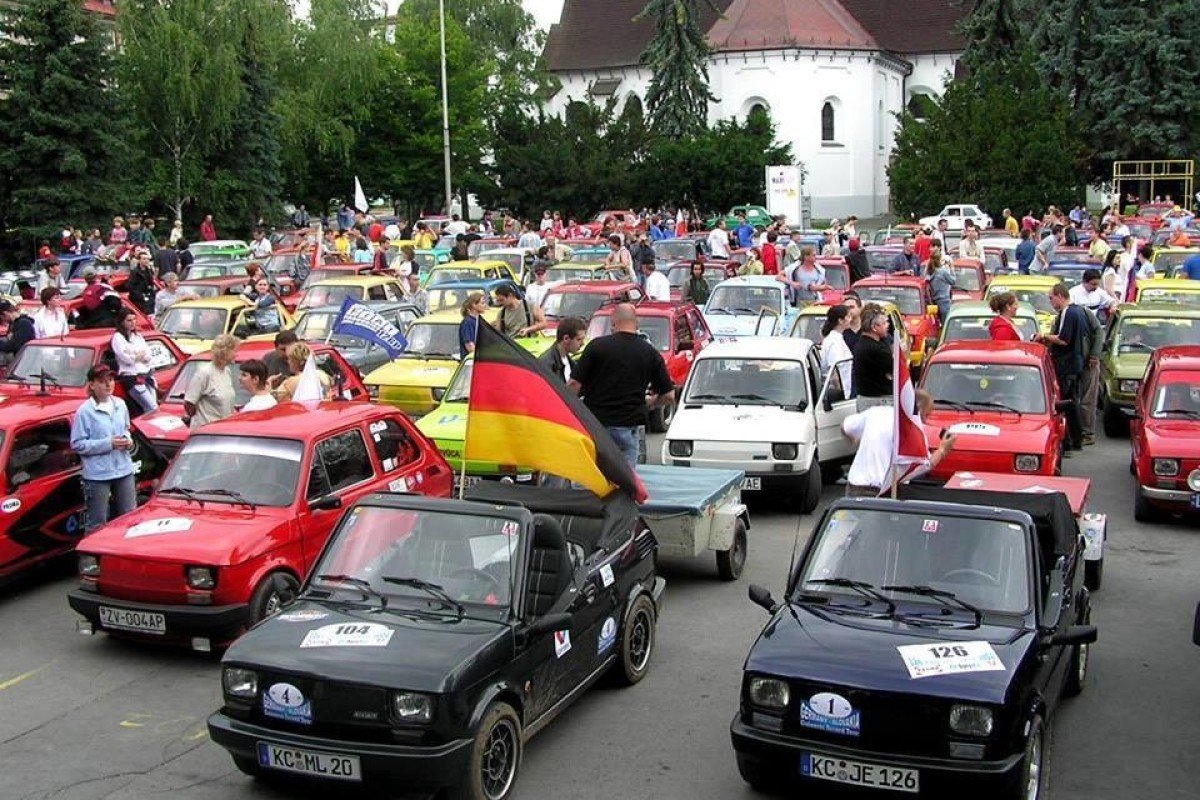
309	388
360	198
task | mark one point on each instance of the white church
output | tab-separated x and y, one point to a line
833	74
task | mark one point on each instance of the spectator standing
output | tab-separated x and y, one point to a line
170	294
20	329
807	279
260	247
300	218
906	262
770	254
923	244
472	308
718	241
252	375
753	265
529	240
856	260
518	318
176	233
744	232
658	288
619	258
276	360
535	292
298	354
834	350
1069	346
51	318
119	234
1011	226
1087	293
414	294
100	436
1003	327
1047	247
696	289
969	246
140	285
613	377
133	363
165	258
1190	268
874	431
1026	252
941	284
53	276
872	373
209	395
568	340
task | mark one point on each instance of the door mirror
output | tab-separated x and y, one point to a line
1076	634
326	503
760	596
550	622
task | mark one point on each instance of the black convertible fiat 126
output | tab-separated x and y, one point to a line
923	644
434	637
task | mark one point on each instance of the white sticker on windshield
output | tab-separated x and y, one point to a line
349	635
153	527
167	423
929	660
974	429
929	526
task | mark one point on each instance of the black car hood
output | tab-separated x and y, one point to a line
814	643
426	652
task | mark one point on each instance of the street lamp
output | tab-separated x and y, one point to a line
445	104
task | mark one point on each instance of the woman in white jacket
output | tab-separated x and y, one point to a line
133	363
834	350
51	319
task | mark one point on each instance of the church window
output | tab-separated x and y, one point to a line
827	120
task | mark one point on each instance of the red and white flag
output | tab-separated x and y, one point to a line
911	448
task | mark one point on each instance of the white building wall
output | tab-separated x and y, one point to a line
930	73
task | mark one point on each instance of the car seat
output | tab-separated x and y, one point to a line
549	566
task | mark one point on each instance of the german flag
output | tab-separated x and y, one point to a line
521	414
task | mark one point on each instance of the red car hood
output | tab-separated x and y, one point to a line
995	433
1172	438
164	424
220	534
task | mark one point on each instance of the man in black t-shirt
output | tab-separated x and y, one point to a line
872	368
614	375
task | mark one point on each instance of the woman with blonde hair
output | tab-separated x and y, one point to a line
210	394
472	308
298	354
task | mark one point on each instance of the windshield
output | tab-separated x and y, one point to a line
68	366
432	339
588	255
993	386
750	381
279	263
468	557
480	246
906	298
559	274
983	562
200	271
257	470
837	276
201	289
445	275
976	328
880	259
441	299
1069	275
194	322
656	329
1144	334
573	304
1038	298
745	299
674	251
188	372
329	295
314	327
678	276
808	326
1177	395
459	390
967	278
993	262
318	275
1181	297
1167	262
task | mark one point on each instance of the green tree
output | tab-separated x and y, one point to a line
993	31
60	126
180	73
1000	137
677	54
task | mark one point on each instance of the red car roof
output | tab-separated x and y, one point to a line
298	421
988	352
1180	356
594	287
648	308
891	280
27	407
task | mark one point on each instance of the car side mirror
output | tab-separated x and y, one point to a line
326	503
1076	634
761	596
550	622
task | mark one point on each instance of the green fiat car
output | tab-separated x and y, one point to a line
1133	334
446	425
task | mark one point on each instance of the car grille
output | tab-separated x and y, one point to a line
891	723
345	711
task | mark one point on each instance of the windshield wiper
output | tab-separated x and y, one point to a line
430	588
994	404
741	309
705	397
237	497
939	595
363	586
1138	345
1187	412
179	490
718	311
865	589
957	406
756	397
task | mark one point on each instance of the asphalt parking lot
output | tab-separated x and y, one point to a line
89	718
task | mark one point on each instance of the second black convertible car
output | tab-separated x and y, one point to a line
434	637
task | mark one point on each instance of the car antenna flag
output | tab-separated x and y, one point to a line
360	320
521	414
360	197
910	450
309	388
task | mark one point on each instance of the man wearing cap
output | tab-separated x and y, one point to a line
860	267
51	276
20	330
100	436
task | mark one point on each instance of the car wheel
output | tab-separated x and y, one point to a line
759	775
1077	669
1143	509
637	641
495	756
812	488
1032	776
1115	424
1093	574
660	418
270	594
730	562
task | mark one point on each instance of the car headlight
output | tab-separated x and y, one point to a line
89	565
1128	387
1166	467
971	720
1194	480
202	577
240	682
1027	463
373	390
410	707
785	452
769	693
680	448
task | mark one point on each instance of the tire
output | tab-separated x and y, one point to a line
811	498
1077	669
760	776
1031	780
731	561
1115	424
1093	574
660	418
266	600
637	642
495	756
1143	509
831	472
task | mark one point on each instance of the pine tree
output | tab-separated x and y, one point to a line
678	97
60	127
993	30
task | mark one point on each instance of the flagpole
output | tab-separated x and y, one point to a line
445	109
462	470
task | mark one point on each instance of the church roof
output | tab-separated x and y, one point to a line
595	34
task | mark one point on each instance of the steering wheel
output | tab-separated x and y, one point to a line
493	585
974	573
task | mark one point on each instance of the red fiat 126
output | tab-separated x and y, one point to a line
1000	400
241	515
1166	435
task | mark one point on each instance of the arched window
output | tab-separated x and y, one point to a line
827	122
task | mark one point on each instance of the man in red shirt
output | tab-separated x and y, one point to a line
208	231
770	254
923	244
1029	222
